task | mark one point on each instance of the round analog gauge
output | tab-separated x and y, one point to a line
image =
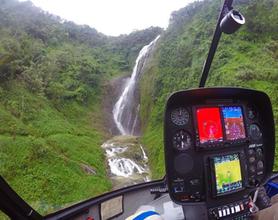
182	140
180	116
255	132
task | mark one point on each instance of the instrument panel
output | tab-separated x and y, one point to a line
219	144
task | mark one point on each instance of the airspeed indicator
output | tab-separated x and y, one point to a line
180	116
182	140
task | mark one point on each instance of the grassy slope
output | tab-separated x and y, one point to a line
246	59
42	158
51	80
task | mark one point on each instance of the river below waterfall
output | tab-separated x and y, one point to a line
127	161
126	157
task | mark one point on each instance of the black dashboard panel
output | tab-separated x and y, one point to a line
206	132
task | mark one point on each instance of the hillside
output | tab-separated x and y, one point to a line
52	77
246	59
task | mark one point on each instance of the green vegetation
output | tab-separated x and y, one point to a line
245	59
52	76
45	151
52	80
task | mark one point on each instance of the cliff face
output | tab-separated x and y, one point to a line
245	59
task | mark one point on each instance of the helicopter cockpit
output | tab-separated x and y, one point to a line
219	151
219	146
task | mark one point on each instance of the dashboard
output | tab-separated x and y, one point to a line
219	147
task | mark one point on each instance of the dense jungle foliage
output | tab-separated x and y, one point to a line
248	58
52	75
52	79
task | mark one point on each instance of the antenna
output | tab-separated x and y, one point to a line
229	21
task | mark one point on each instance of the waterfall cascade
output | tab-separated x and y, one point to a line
127	161
126	157
126	109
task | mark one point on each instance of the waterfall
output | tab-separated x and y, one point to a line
127	161
126	157
126	109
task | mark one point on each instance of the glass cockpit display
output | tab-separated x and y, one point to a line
228	175
220	123
233	120
209	124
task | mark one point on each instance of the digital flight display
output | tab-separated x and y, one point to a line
209	124
227	173
233	120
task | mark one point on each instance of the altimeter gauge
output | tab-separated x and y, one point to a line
182	140
180	116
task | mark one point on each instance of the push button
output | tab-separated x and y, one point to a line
252	159
251	152
197	195
259	152
224	212
232	210
237	208
219	213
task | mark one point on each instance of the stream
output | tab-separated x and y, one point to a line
126	157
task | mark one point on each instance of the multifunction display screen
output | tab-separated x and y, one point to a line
233	119
209	125
227	173
214	122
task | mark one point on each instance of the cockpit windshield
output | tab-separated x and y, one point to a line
82	109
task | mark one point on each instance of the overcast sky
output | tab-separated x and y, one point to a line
114	17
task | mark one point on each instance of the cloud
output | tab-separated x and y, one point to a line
114	17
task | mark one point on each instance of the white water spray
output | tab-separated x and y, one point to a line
122	165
